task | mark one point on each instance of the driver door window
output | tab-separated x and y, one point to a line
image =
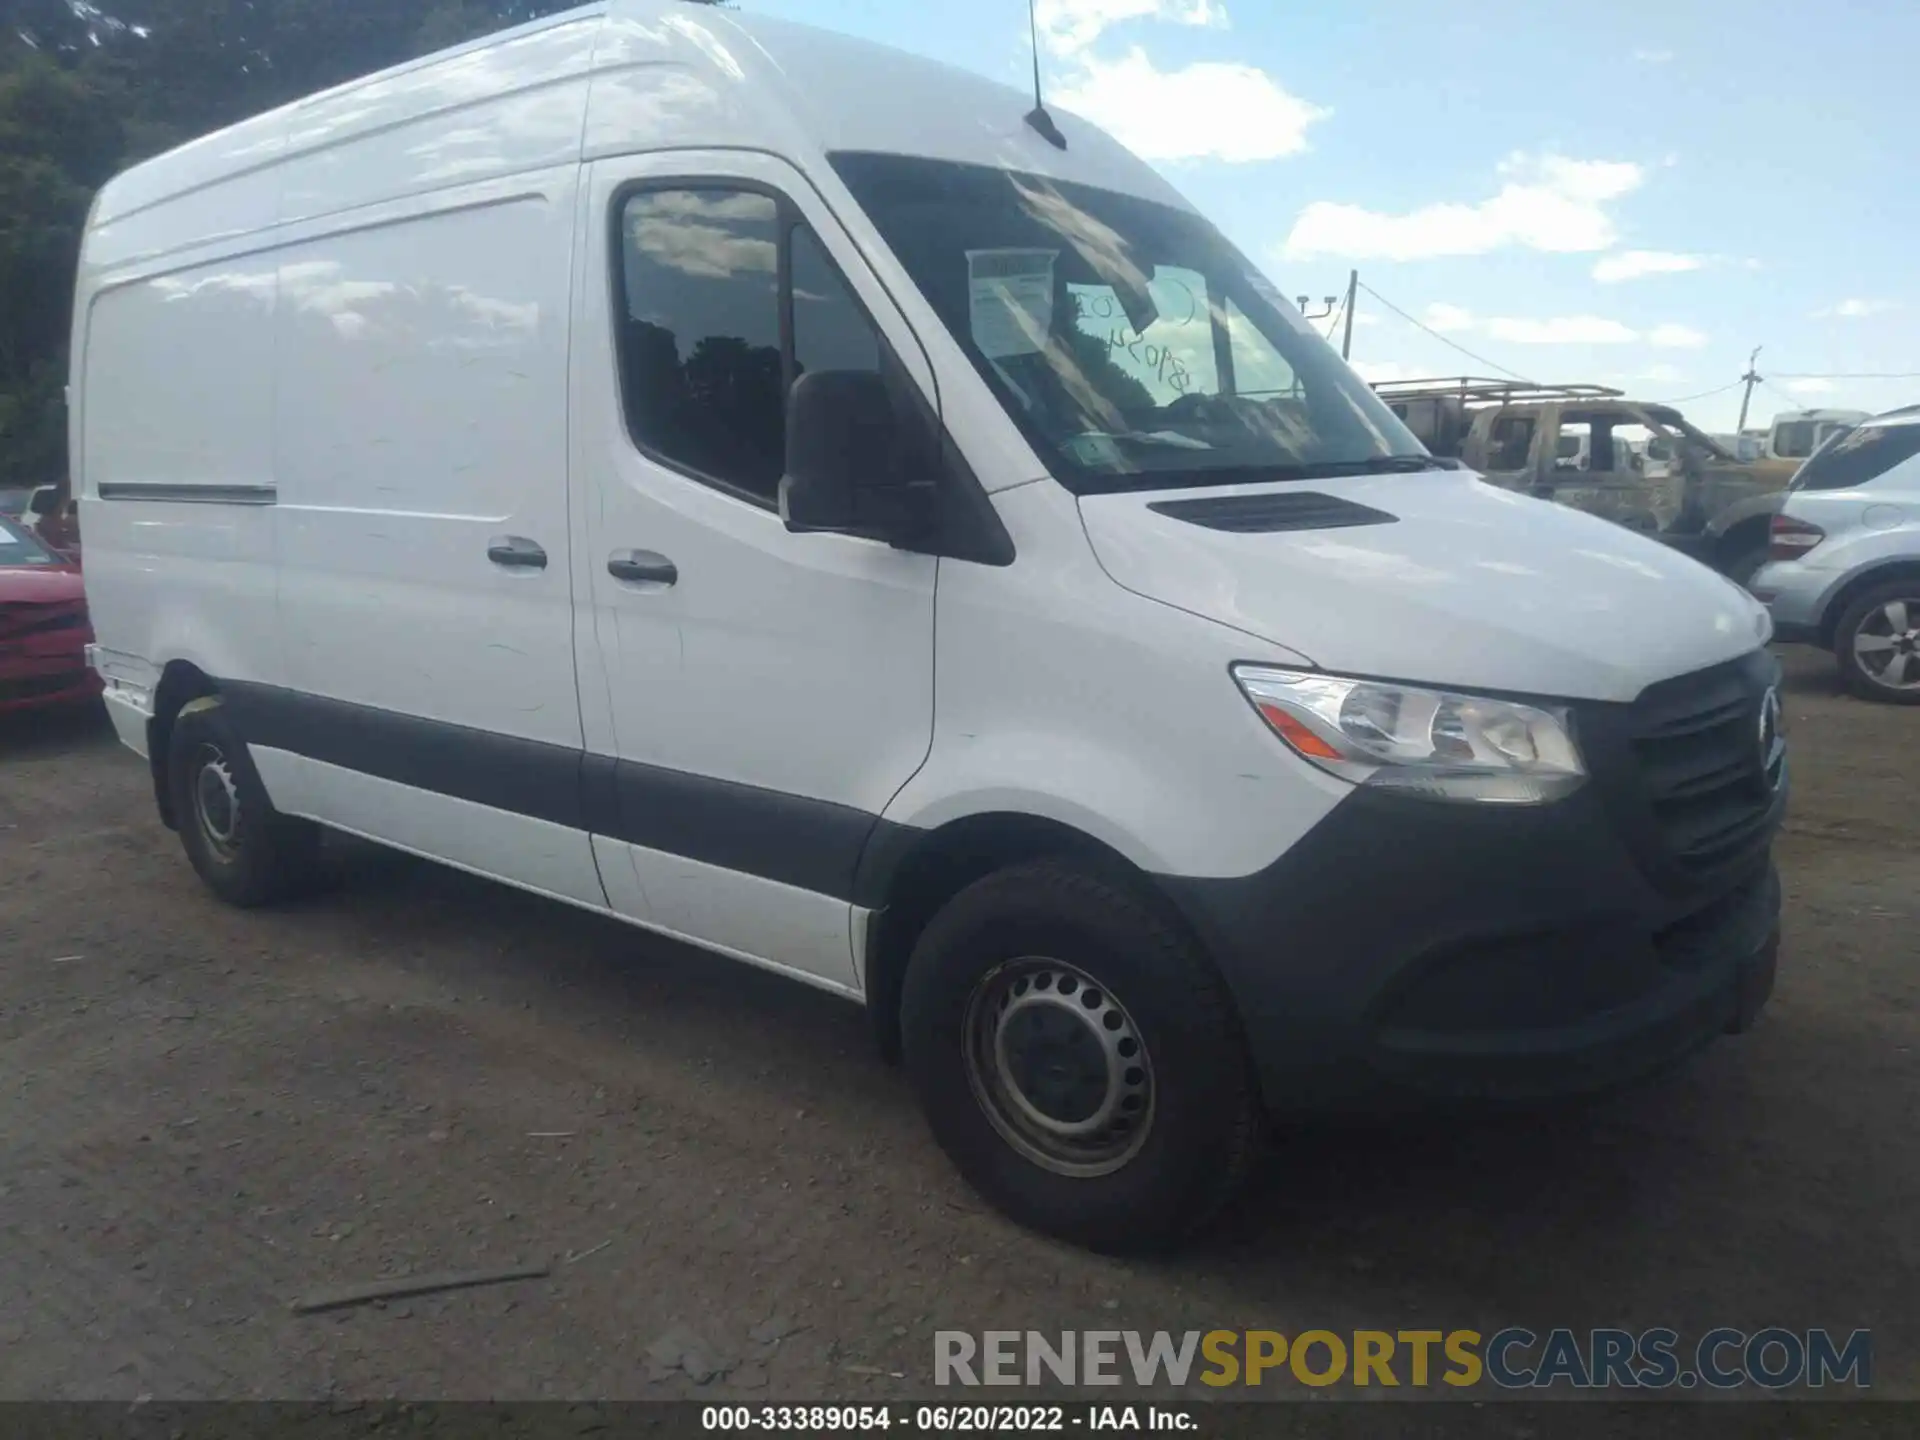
706	357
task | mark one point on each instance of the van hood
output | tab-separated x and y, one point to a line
1441	579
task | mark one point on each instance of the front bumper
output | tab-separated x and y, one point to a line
1795	596
29	683
1413	950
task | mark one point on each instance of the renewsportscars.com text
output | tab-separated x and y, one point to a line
1513	1359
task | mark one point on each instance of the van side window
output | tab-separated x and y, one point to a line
702	374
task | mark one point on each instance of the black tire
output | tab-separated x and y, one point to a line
246	851
1867	615
1202	1116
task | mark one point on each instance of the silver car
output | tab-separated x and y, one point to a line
1844	572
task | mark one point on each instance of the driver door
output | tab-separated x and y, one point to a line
753	698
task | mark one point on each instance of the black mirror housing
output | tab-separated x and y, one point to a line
844	452
865	460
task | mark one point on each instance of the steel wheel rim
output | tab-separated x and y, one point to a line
1886	646
1059	1067
216	803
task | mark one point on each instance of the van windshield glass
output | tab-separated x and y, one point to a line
1135	347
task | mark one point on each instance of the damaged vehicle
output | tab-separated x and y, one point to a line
1633	462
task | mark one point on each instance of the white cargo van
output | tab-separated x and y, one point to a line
759	486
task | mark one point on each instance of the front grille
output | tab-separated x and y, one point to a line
1697	741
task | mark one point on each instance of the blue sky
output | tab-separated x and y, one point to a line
1633	194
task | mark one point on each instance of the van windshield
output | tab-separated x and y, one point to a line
1135	347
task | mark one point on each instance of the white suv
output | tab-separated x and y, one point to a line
1845	573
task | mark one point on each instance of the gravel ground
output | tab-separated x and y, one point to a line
205	1115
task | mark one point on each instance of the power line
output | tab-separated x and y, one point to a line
1719	390
1479	359
1764	385
1861	375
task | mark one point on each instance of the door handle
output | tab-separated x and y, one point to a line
642	567
516	552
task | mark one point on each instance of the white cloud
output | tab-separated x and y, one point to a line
1070	26
1676	337
1441	316
1811	387
1661	374
1633	264
1206	111
1561	330
1854	309
1653	57
1548	203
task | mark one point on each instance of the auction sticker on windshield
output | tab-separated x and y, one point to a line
1012	299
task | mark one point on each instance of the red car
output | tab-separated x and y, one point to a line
43	625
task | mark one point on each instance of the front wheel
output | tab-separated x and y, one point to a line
248	853
1078	1059
1877	644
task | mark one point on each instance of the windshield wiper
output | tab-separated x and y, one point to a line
1372	465
1256	474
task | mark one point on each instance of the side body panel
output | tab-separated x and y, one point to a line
1063	696
173	438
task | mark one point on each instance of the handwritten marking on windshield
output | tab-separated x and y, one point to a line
1167	367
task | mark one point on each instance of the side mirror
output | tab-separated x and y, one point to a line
44	502
843	457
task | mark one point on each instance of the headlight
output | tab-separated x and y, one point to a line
1425	742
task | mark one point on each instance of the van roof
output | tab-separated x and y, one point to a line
1794	417
611	78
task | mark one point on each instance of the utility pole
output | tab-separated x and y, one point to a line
1752	377
1353	294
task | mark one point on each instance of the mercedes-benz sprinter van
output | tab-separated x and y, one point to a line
764	487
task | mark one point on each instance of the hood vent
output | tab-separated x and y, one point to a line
1272	514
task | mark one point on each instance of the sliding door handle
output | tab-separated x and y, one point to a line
516	552
642	567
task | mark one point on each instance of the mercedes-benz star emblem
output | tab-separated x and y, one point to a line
1773	740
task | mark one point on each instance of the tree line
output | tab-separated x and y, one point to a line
87	89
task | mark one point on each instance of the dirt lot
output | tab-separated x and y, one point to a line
206	1114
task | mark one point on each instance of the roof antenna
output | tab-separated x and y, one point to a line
1040	120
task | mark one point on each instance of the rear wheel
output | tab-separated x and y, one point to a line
1078	1059
246	851
1877	644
